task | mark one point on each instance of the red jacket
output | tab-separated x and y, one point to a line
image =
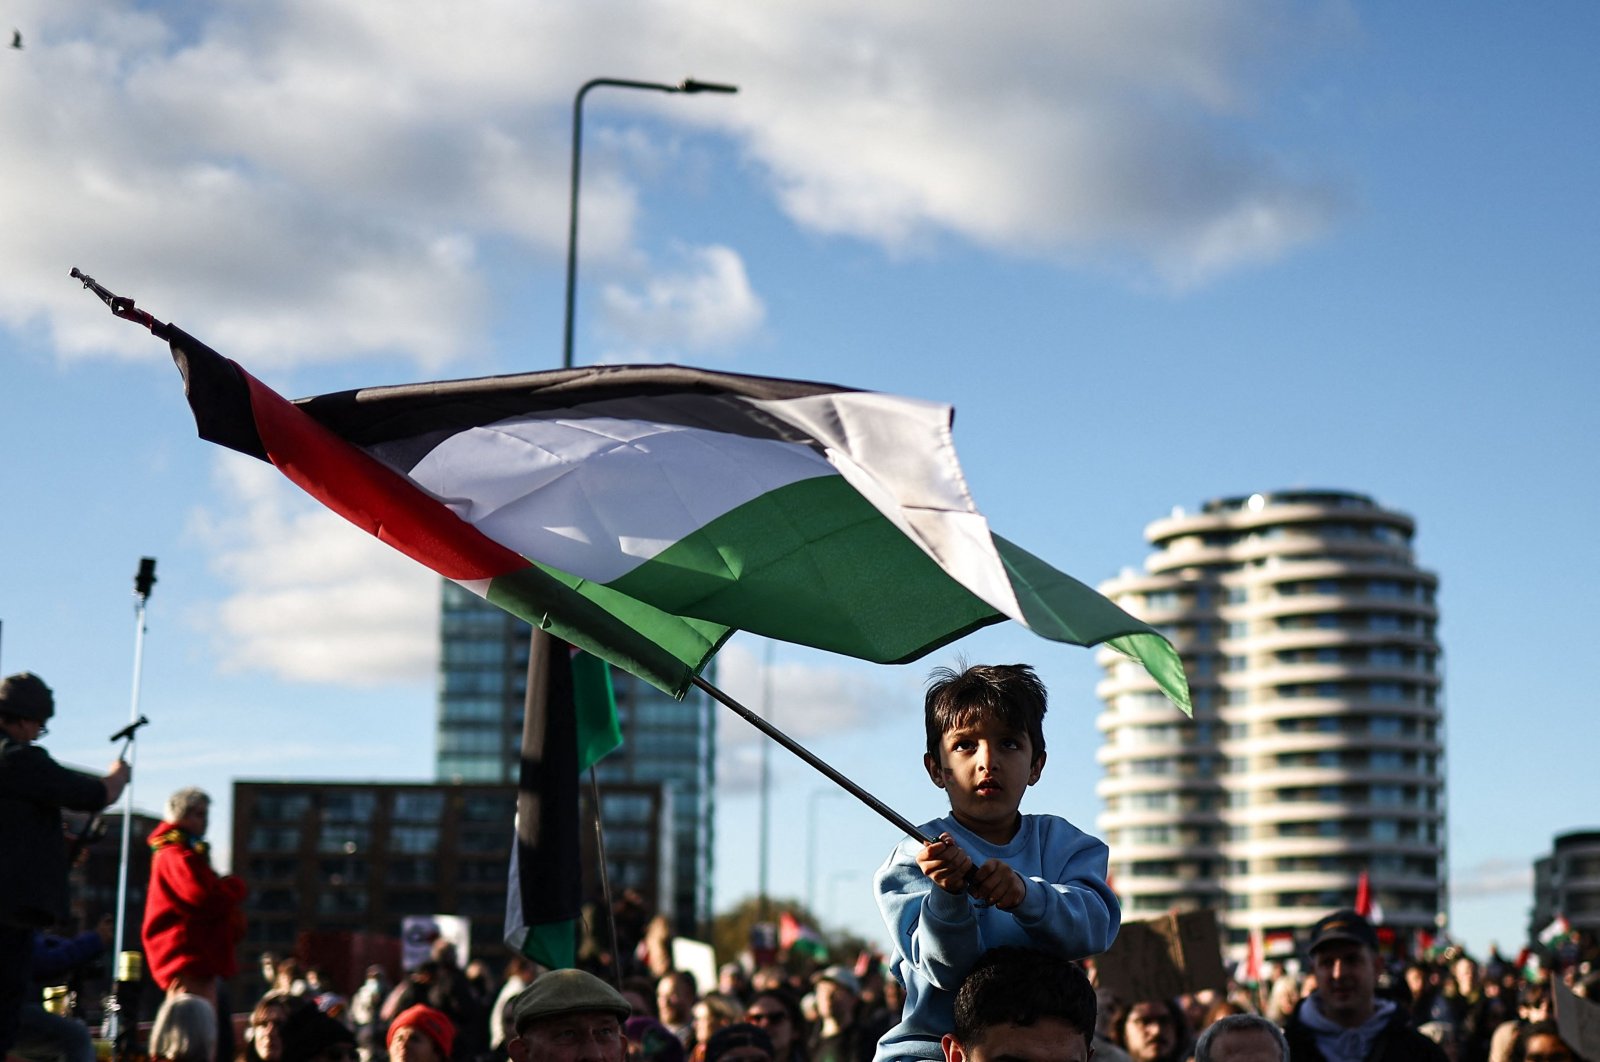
192	917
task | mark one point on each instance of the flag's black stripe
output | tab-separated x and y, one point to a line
400	424
547	797
218	396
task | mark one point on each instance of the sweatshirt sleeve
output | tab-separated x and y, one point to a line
1071	910
934	930
54	956
31	774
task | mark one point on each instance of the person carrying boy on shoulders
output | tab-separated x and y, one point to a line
993	876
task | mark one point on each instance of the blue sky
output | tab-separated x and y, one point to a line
1153	253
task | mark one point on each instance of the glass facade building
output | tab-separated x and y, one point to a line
1316	750
483	666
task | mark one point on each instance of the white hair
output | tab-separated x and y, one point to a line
189	798
185	1030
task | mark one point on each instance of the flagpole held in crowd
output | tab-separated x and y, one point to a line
827	769
872	473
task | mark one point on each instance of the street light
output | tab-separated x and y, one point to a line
689	85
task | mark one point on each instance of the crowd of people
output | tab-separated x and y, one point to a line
993	913
1346	1003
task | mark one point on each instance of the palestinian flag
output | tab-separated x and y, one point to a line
644	513
796	937
571	724
1557	933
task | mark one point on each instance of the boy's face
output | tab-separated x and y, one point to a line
1046	1040
985	767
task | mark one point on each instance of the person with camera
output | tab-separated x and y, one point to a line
34	789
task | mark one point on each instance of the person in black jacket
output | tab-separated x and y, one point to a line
1344	1020
33	850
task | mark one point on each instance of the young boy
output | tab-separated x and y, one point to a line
993	876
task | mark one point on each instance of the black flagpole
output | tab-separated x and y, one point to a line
904	824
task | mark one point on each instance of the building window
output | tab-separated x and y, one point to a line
348	805
413	872
418	807
274	839
488	807
414	840
480	840
282	807
345	837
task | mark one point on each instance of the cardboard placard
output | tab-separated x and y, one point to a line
1164	957
1578	1019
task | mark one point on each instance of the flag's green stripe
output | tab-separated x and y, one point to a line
594	702
814	563
1058	607
553	944
664	650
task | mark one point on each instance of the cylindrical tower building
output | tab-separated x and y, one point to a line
1316	749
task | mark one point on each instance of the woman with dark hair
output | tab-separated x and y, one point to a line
263	1037
777	1013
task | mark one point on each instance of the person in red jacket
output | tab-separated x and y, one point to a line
193	920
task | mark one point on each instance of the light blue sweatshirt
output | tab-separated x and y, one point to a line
1068	910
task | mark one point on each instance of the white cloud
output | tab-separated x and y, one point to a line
1114	133
709	306
303	181
809	703
313	599
1492	877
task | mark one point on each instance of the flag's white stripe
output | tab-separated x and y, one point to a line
599	496
898	453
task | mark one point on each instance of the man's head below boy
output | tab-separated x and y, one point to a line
1021	1004
985	728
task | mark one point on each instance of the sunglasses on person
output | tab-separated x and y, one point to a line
766	1017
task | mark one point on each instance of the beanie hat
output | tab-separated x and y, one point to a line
26	696
433	1024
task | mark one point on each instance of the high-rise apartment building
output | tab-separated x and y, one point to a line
1566	883
483	665
1316	750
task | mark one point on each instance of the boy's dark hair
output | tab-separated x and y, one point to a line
1010	693
1018	986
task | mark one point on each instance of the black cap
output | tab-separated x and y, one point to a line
1343	925
25	696
731	1037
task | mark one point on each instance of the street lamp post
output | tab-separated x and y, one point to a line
689	85
534	655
